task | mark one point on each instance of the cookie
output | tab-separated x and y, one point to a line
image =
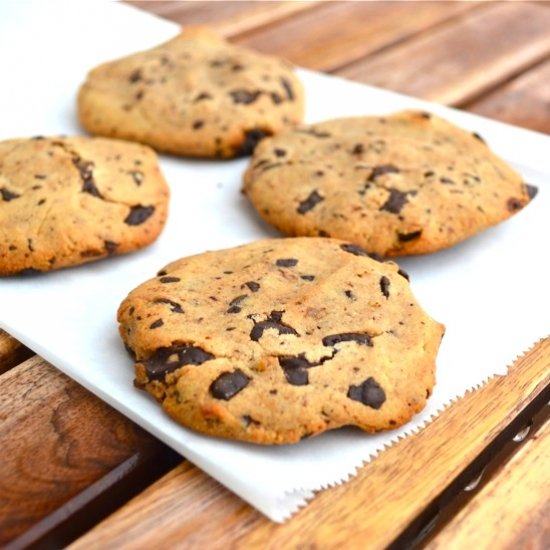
69	200
282	339
409	183
196	95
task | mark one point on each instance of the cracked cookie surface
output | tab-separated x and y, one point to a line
282	339
196	95
409	183
70	200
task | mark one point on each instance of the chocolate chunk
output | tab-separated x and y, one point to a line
358	149
288	89
403	274
358	337
135	76
531	190
406	237
369	393
276	98
349	294
286	262
381	170
165	280
429	174
514	204
8	195
229	384
295	370
202	96
156	324
130	351
41	202
244	96
307	277
174	306
166	360
385	286
354	249
234	304
447	181
248	420
252	286
477	136
137	176
86	174
198	124
161	272
40	176
274	321
139	214
396	201
279	152
251	139
308	204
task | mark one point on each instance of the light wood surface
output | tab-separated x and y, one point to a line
64	453
346	515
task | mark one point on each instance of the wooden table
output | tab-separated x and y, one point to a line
74	470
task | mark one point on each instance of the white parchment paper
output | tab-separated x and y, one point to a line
491	291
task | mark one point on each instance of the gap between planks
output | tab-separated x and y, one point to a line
195	510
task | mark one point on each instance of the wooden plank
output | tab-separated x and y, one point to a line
56	440
337	33
229	18
12	352
513	510
195	509
463	59
524	101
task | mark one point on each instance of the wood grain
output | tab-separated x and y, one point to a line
229	18
56	439
524	101
464	58
194	508
513	510
12	352
337	33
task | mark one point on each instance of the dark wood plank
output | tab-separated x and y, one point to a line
228	17
464	58
524	101
56	441
337	33
376	506
12	352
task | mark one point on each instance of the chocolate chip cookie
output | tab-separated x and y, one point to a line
409	183
69	200
195	95
282	339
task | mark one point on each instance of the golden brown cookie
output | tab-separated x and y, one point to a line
195	95
69	200
282	339
409	183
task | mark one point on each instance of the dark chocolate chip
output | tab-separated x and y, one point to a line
447	181
244	96
279	152
403	274
229	384
429	174
161	272
288	89
531	190
276	98
349	294
41	202
477	136
396	201
156	324
202	97
234	304
139	214
252	286
358	337
308	204
198	124
130	351
323	233
295	370
358	149
286	262
174	306
166	360
87	176
381	170
251	139
406	237
514	204
369	393
40	176
273	321
385	286
169	280
354	249
425	115
135	76
307	277
313	132
137	176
